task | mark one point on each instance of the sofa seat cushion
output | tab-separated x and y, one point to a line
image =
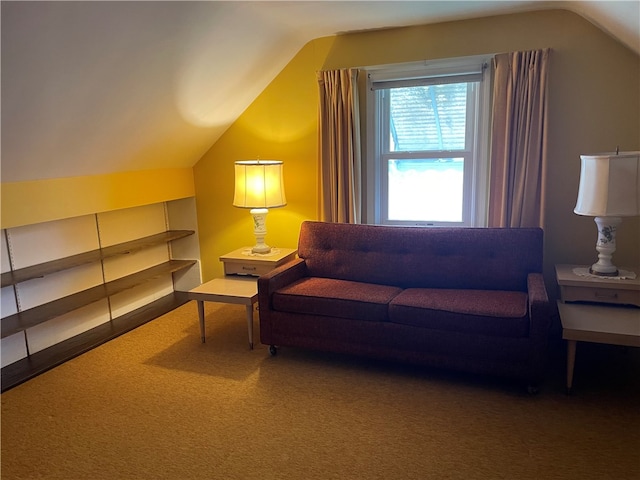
488	312
335	298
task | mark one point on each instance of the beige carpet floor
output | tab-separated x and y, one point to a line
157	404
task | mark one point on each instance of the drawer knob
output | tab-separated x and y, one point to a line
606	295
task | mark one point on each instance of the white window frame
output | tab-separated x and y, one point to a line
476	173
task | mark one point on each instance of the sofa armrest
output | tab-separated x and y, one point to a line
539	326
539	308
278	278
267	285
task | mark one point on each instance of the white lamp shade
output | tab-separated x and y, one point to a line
259	184
609	185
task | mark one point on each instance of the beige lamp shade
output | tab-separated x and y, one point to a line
609	185
259	184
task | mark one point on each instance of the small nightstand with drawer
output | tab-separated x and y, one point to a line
596	309
243	262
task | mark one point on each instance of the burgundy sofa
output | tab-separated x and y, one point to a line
471	299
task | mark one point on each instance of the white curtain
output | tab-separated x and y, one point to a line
519	139
339	147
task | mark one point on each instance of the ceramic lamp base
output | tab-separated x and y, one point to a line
260	229
606	246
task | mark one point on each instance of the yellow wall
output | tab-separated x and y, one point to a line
25	203
594	104
280	124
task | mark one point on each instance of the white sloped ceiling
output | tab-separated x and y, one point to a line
100	87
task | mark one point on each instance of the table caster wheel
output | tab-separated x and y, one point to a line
273	350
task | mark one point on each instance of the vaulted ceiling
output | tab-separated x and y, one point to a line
100	87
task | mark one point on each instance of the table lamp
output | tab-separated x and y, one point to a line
609	186
259	186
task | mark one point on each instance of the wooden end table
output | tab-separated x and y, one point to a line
237	290
240	283
614	319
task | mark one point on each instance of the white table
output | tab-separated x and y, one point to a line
240	283
242	290
615	325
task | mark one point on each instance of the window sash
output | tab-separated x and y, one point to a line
466	154
467	178
384	100
475	152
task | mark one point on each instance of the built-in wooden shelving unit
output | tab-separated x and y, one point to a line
65	306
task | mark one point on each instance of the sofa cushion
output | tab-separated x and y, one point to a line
417	257
335	298
489	312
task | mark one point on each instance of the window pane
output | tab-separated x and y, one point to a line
428	117
424	190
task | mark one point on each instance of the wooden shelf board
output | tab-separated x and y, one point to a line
39	362
42	313
42	269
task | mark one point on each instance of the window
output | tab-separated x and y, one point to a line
427	131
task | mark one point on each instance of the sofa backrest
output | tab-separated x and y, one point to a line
431	257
